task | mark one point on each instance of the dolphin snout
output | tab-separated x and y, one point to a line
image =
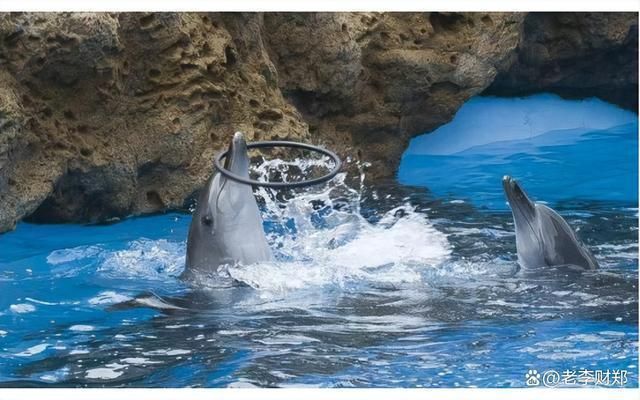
238	138
238	144
237	160
513	189
517	198
508	183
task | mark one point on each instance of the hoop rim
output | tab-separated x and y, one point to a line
281	185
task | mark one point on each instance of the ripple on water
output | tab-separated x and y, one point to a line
146	259
399	298
81	328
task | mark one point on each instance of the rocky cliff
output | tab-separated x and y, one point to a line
576	55
112	114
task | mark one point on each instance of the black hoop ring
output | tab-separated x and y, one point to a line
281	185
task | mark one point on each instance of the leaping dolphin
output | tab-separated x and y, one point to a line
543	237
226	227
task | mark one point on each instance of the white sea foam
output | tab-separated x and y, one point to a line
22	308
335	247
147	259
281	375
585	337
139	361
109	371
82	328
167	352
33	350
409	240
55	376
568	354
287	340
108	297
241	384
613	333
343	248
348	248
225	332
64	256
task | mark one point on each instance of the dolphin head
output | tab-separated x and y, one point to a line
522	207
525	218
543	237
237	159
225	198
226	227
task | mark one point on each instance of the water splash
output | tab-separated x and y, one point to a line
321	239
319	236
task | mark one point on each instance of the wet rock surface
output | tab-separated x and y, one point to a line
105	115
368	82
576	55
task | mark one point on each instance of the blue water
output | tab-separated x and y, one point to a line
395	284
561	150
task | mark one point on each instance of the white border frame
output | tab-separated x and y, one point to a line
320	5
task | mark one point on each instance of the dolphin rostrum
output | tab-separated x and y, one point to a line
543	237
226	227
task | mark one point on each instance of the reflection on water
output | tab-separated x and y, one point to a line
386	285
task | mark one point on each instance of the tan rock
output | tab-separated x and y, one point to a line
367	82
104	115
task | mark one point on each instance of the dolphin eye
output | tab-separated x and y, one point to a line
207	220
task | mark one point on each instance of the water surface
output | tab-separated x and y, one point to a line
410	284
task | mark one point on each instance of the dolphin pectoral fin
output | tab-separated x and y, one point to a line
149	299
157	302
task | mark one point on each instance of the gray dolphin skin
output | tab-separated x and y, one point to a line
226	227
543	237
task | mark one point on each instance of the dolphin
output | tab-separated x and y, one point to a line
226	227
543	237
